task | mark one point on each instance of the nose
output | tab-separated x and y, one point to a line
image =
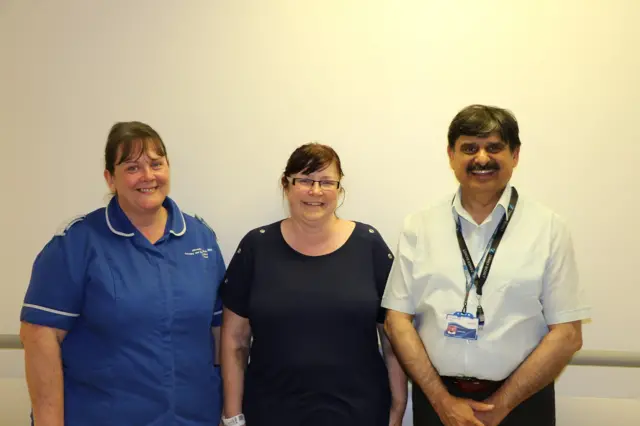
482	157
315	188
147	173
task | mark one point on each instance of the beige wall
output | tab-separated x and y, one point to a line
234	86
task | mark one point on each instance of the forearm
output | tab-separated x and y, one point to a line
542	366
43	368
412	354
397	377
234	362
397	382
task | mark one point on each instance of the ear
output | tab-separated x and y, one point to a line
342	192
450	153
516	156
108	177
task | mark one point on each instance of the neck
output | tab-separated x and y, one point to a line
480	205
314	232
145	221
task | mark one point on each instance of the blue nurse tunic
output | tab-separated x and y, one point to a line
139	349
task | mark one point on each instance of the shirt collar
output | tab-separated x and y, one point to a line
119	223
501	206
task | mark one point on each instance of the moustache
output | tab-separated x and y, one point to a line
486	167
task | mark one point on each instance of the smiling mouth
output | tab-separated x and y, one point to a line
483	172
147	190
314	204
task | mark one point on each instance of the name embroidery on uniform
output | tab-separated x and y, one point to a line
199	251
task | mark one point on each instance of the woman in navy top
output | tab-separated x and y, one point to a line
307	289
119	318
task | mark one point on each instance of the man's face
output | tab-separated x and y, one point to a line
483	164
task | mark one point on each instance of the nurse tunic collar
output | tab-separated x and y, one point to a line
119	223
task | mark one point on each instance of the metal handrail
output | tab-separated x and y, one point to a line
583	357
10	341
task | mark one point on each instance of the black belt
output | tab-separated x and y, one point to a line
471	384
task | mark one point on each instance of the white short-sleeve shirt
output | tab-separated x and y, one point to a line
533	282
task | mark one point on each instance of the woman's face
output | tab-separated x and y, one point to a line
313	197
141	182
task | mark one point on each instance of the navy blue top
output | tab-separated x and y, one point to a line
139	349
314	358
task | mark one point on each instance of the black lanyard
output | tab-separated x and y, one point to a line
478	281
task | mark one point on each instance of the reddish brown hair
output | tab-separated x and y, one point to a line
310	158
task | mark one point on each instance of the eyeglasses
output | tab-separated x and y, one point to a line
307	183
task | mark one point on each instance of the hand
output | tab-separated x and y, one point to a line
493	417
454	411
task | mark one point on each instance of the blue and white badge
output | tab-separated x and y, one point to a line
462	326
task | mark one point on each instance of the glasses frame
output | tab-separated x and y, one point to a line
313	183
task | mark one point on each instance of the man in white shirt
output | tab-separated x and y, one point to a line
484	303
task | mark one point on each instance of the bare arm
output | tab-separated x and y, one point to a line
413	356
397	380
236	335
216	338
542	366
43	367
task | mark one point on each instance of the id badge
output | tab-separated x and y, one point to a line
462	326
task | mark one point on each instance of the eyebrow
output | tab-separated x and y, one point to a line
323	177
486	143
131	161
328	178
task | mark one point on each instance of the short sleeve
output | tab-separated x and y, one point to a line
220	272
563	297
382	261
54	297
216	319
397	294
217	313
236	286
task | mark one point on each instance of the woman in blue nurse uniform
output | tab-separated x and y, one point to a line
119	319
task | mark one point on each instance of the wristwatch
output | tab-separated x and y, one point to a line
234	421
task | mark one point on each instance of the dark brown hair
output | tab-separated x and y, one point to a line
481	121
310	158
135	138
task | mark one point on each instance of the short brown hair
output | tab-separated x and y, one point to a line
309	158
481	121
131	135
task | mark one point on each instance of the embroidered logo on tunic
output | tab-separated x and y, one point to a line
199	251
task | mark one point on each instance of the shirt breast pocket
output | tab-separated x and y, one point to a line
521	297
